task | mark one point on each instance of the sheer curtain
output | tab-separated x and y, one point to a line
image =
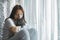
30	12
47	19
58	19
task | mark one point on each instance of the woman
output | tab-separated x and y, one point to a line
13	25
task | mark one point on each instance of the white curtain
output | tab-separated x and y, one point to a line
47	19
58	19
30	12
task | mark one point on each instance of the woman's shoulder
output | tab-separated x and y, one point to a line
10	22
8	19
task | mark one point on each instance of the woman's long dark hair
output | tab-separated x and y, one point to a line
14	12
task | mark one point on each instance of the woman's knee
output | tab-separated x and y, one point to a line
24	34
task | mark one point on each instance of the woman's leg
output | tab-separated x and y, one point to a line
22	35
33	34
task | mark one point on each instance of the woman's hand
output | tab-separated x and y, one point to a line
18	28
12	29
15	29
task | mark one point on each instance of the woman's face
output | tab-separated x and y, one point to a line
19	14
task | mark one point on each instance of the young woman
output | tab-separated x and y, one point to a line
13	25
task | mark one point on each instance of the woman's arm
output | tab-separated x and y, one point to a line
11	26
